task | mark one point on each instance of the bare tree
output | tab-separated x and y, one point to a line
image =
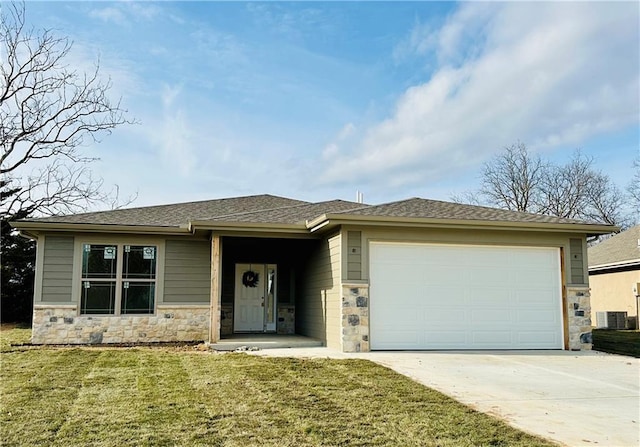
633	188
520	181
513	179
564	188
48	112
604	201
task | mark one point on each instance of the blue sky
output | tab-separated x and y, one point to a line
317	100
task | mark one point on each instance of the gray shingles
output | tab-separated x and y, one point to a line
268	209
297	214
177	214
620	248
434	209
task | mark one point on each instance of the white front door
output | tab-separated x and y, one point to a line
255	298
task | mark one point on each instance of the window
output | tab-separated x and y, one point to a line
118	279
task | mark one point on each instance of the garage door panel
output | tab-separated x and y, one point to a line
427	294
530	277
442	317
445	339
487	274
536	317
464	297
491	339
407	315
441	275
398	339
493	297
538	298
489	317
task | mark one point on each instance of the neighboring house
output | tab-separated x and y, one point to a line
412	274
614	274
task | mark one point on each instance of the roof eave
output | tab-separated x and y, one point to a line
328	221
248	226
34	228
615	265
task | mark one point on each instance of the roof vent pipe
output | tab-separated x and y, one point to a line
359	197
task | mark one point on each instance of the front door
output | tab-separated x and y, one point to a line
255	298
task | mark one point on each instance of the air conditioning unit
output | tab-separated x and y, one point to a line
611	320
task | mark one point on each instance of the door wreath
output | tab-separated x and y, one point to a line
250	278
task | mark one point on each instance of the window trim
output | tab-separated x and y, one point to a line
119	242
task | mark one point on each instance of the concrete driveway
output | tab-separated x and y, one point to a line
575	398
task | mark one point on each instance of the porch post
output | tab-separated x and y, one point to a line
216	274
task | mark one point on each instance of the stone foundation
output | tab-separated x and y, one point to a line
61	324
226	319
579	318
355	318
286	319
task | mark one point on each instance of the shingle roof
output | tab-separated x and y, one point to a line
619	249
177	214
273	210
296	214
434	209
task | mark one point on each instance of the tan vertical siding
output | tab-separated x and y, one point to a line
319	308
187	272
57	269
577	262
354	255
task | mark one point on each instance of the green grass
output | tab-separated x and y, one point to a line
172	396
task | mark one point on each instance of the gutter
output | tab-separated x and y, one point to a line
31	229
327	221
615	265
194	225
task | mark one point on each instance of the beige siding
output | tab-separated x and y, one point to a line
57	269
470	236
187	272
319	309
576	274
354	255
613	292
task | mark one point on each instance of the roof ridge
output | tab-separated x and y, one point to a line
367	206
246	213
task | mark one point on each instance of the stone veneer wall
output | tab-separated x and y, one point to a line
355	318
579	316
61	324
226	319
286	319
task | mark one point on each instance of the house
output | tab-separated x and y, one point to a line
614	274
411	274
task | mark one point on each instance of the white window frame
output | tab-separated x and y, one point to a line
119	242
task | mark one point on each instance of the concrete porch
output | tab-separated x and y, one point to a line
263	341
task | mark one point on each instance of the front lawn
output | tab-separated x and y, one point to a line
172	396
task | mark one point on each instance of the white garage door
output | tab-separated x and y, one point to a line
425	296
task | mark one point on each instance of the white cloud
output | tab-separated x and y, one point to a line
347	131
344	136
169	95
108	14
548	74
177	142
123	13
